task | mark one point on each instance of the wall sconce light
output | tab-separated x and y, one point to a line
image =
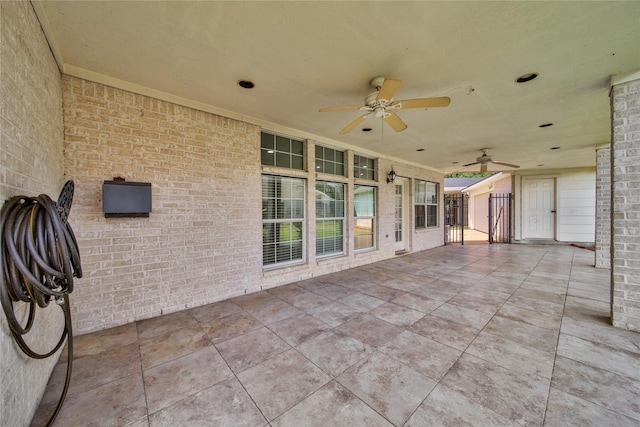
391	176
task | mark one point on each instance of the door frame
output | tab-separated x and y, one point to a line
519	205
404	245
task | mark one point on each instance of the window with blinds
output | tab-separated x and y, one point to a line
426	204
329	218
364	205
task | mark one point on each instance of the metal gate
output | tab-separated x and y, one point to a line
455	217
500	218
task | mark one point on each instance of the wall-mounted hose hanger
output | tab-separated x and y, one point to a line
40	258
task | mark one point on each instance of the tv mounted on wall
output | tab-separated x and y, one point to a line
122	199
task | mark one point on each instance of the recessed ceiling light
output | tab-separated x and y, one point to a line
366	129
540	165
546	125
420	149
454	163
246	84
555	148
526	77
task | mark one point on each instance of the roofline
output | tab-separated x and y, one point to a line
487	180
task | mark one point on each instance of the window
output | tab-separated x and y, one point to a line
426	204
364	205
329	218
364	168
329	160
282	220
281	151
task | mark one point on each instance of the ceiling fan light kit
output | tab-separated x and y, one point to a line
382	105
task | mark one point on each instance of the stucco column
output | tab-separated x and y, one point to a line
625	202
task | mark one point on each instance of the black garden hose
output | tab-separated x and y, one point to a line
40	258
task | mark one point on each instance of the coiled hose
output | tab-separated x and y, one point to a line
40	258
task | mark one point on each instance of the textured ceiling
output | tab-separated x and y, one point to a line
306	55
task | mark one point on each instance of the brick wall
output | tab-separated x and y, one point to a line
603	207
202	242
31	163
625	182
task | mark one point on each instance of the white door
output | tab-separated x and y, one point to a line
401	215
538	199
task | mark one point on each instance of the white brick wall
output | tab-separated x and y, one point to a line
625	181
603	208
31	163
202	242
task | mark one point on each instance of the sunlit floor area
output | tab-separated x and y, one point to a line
485	335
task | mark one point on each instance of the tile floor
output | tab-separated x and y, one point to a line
485	335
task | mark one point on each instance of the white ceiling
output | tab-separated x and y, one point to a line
306	55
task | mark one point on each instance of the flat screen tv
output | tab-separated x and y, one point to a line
126	199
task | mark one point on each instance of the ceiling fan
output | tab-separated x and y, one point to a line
485	159
381	104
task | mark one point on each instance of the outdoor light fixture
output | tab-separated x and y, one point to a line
391	176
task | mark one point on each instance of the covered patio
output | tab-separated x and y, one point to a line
457	335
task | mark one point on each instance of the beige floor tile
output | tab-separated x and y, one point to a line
445	331
391	388
182	377
282	381
605	388
366	352
599	355
116	403
162	348
296	330
512	355
567	410
215	311
418	302
426	356
334	352
162	325
370	330
247	350
533	336
517	397
397	314
230	326
334	313
462	315
332	405
275	312
445	407
224	404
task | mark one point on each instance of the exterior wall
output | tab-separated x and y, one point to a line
603	207
202	242
31	155
575	207
625	206
479	200
575	192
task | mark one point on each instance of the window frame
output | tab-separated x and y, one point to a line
325	164
365	168
292	220
422	203
325	219
276	149
371	217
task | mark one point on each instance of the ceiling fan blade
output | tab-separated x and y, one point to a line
470	164
322	110
355	123
425	102
395	122
483	167
388	89
511	165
